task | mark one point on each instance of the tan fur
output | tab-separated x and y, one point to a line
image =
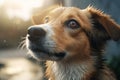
76	43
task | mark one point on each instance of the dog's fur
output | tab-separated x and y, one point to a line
72	42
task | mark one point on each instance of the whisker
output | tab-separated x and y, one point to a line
23	38
22	44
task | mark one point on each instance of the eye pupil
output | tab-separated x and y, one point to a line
72	24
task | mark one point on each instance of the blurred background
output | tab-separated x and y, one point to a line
15	18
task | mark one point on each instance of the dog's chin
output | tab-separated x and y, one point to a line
45	55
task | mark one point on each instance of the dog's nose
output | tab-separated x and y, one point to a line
36	32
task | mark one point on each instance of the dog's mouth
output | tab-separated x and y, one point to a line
46	55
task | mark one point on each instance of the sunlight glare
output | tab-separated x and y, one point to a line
21	8
1	2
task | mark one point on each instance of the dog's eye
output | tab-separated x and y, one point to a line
46	19
73	24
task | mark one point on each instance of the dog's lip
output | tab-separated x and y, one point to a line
59	55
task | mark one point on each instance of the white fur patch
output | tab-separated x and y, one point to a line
49	42
70	72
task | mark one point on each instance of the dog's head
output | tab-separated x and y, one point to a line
69	33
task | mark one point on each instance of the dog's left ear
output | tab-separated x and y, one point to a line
39	17
110	26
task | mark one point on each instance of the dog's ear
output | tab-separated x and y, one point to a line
39	17
109	25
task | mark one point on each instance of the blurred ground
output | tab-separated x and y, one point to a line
12	53
14	66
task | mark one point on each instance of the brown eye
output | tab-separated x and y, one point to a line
73	24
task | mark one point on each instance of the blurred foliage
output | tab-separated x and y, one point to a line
114	64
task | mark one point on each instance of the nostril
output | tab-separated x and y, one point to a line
36	32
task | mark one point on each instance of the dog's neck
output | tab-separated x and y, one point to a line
61	71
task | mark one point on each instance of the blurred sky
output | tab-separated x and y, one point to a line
20	8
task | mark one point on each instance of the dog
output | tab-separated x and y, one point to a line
72	42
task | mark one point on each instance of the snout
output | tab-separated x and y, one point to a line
41	44
36	33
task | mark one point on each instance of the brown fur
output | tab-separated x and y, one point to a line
84	43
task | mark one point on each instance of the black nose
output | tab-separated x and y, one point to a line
36	32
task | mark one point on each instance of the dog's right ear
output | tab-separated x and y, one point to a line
39	18
112	29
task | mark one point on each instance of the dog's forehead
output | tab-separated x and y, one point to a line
58	9
66	10
66	13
